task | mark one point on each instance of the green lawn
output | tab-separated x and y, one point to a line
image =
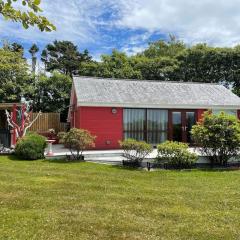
46	200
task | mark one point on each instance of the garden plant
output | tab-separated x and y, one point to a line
175	155
218	136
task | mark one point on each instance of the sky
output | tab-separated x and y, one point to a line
129	25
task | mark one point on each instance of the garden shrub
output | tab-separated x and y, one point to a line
135	151
31	147
175	155
218	136
77	140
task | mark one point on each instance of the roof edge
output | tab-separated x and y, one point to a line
159	106
143	80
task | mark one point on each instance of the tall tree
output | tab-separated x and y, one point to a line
163	48
29	16
14	78
33	50
16	47
116	65
64	57
52	93
161	68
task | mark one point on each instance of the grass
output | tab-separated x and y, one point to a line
55	200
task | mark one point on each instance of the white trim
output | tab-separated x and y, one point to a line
164	106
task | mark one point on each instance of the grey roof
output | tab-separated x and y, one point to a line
145	93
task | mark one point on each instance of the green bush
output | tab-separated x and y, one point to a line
135	151
77	140
175	155
31	147
218	136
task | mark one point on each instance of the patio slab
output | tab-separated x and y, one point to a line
107	156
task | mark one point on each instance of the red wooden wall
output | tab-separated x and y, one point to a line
101	122
200	114
107	126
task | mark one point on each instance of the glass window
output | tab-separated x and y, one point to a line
157	125
150	125
177	126
134	123
190	122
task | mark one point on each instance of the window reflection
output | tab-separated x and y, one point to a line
150	125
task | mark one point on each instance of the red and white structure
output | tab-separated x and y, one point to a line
154	111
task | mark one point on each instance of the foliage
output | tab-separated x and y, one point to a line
28	17
31	147
175	155
64	57
15	80
33	50
135	151
77	140
16	47
161	68
162	48
117	65
218	136
52	93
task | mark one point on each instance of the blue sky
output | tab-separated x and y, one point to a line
102	25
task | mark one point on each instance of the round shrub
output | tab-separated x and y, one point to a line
77	140
31	147
218	136
135	151
175	155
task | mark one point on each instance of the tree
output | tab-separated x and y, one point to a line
218	136
161	68
14	78
64	57
52	93
77	140
24	122
27	17
16	47
116	65
163	48
33	50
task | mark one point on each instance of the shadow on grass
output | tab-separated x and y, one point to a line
121	167
63	160
13	157
221	169
206	168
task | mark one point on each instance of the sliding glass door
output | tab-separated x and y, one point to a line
150	125
157	126
134	123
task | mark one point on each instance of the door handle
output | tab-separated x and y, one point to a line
184	128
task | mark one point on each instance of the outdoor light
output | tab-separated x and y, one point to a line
114	110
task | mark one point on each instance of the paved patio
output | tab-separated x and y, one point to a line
106	156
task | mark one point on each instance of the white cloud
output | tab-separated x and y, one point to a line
76	20
92	23
215	22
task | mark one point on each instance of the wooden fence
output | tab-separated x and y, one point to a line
48	121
